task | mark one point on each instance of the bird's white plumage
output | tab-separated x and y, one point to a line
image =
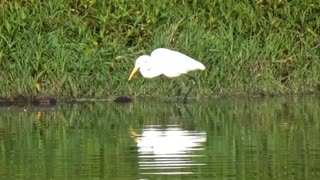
167	62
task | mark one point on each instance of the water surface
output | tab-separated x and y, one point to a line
262	138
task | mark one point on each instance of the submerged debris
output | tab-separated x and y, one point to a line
123	99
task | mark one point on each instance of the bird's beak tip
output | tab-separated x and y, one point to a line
135	69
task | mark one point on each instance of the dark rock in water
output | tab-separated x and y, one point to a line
44	101
5	102
123	99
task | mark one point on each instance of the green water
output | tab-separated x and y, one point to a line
262	138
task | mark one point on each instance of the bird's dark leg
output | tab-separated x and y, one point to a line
193	81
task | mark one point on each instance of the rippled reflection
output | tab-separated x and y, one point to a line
169	150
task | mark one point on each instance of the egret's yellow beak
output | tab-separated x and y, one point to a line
135	69
38	86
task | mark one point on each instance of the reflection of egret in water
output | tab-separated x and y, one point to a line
170	150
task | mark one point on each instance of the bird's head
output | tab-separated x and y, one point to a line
141	61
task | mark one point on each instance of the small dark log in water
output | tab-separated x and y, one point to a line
123	99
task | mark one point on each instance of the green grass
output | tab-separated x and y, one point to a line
87	48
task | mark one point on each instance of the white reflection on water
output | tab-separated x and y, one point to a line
170	150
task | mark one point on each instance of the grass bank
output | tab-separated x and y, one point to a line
87	48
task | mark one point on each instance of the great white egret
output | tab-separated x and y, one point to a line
166	62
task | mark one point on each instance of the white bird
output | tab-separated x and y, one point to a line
166	62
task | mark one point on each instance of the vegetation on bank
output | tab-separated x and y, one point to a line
87	48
